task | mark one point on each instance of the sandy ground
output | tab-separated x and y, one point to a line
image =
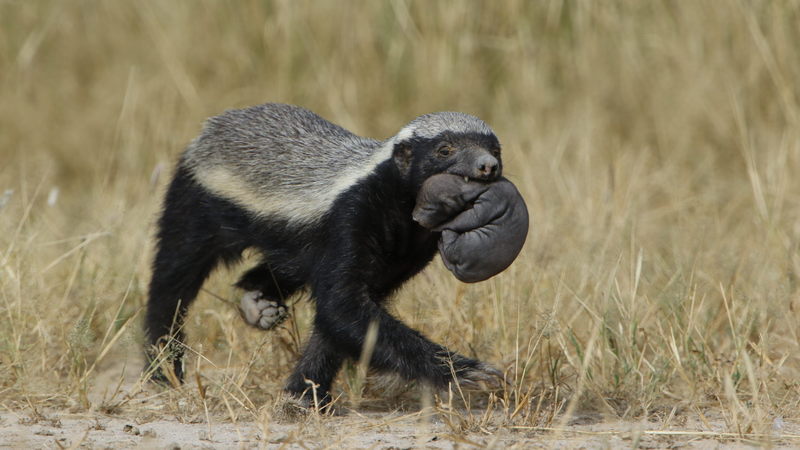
375	430
147	422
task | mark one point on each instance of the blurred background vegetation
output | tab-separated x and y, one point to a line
656	144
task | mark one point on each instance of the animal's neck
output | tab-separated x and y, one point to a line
386	202
388	184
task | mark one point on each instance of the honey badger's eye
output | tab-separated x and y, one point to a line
444	150
495	151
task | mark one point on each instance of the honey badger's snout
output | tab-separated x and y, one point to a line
485	166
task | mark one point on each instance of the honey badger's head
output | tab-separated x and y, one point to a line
447	142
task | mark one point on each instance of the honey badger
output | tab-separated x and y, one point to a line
329	211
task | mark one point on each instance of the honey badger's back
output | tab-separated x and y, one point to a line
280	161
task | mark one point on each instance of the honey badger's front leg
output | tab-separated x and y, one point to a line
344	312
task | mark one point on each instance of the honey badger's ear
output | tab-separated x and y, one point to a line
402	155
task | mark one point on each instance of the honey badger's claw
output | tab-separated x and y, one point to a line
482	377
260	312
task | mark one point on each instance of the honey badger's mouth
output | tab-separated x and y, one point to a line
480	179
486	178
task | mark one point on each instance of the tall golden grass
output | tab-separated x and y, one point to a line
656	144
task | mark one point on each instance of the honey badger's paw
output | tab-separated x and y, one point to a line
261	312
482	377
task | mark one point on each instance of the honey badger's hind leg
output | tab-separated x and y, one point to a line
188	248
261	312
263	302
177	277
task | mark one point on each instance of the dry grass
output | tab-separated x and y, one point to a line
656	144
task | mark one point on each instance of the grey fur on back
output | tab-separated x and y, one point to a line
278	160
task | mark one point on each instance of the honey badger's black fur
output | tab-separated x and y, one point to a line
352	257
